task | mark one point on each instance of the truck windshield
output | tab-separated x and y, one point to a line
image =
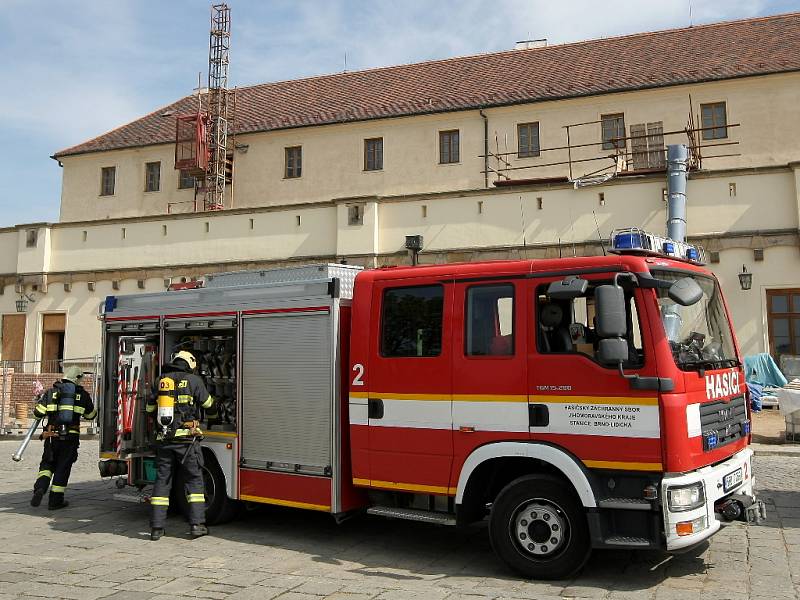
699	335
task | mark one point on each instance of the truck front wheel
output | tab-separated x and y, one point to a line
539	528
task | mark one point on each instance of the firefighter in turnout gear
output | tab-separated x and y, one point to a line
62	406
176	408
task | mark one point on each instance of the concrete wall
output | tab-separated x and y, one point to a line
500	223
764	200
333	155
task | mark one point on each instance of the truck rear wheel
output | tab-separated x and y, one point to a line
539	528
219	508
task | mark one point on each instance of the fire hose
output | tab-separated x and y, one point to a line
17	456
38	390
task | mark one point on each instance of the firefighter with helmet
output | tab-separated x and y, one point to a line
176	408
62	405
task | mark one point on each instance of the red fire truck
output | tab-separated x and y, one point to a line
575	403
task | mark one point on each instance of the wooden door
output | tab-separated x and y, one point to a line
13	337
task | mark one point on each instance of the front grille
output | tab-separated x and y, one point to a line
723	422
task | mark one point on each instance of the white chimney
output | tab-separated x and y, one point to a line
528	44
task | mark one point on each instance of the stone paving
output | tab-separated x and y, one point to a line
99	548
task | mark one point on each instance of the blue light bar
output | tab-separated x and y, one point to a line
711	440
634	240
628	241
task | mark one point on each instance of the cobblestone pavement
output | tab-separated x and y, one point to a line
99	548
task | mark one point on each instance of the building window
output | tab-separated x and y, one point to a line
294	162
108	176
783	320
355	214
185	180
31	238
527	140
152	177
714	121
412	321
448	147
373	154
613	131
489	323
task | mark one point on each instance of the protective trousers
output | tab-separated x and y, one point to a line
188	459
58	456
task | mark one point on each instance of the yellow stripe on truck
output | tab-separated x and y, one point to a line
623	466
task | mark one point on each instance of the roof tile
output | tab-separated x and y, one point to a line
709	52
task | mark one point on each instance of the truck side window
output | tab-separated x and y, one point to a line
489	322
411	323
567	326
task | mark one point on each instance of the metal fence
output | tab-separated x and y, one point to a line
18	381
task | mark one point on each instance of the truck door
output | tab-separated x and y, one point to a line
409	396
490	401
576	402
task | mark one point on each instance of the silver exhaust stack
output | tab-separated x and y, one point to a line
677	166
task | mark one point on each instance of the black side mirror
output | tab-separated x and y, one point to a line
611	321
612	351
567	289
686	291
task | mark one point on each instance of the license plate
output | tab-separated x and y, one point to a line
731	480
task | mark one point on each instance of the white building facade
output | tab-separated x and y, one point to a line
477	165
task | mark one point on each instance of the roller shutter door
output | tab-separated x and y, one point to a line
287	390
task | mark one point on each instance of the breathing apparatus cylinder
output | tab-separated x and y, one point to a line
166	403
65	399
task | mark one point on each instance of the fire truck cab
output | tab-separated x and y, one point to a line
576	403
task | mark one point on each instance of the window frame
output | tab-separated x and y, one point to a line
147	179
467	321
375	153
529	152
355	210
388	289
610	144
449	134
790	315
296	171
721	129
103	189
634	297
181	180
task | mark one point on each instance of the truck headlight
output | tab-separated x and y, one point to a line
686	497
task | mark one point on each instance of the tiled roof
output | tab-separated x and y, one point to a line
646	60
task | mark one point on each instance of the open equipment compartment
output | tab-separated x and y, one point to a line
130	372
212	341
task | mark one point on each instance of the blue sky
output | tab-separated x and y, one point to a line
77	68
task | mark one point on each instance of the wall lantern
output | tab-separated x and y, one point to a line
745	279
414	245
22	303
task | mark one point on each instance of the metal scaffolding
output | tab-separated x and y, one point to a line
218	103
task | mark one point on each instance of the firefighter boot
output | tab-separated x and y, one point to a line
56	501
156	533
38	494
197	531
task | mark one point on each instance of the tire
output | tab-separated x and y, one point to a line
538	528
219	508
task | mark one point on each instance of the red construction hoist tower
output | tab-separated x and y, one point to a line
203	142
219	166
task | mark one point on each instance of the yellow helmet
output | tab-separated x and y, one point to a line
187	357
